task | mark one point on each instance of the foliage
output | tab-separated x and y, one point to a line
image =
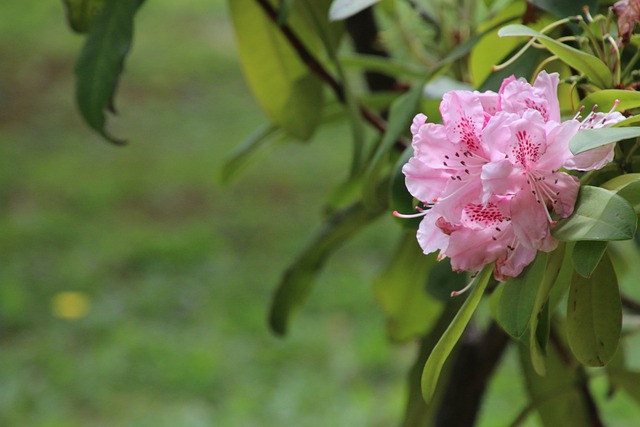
304	74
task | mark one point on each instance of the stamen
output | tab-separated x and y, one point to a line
580	110
407	216
615	105
466	288
536	184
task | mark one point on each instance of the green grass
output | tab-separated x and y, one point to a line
178	270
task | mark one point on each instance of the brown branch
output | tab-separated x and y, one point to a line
630	304
472	367
316	67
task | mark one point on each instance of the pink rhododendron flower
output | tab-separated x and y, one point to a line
490	176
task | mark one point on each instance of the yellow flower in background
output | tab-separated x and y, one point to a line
70	305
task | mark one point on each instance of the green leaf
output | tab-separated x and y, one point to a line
453	333
592	67
81	13
565	8
341	9
589	139
283	85
518	297
101	61
587	255
400	290
605	99
540	313
594	315
299	277
243	153
626	186
599	214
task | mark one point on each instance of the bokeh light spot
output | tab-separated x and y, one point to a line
70	305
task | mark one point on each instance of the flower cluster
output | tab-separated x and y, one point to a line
490	178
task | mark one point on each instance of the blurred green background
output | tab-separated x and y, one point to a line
134	288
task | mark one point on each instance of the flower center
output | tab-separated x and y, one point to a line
526	152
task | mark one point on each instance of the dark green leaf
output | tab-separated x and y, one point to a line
283	85
565	8
592	67
101	61
400	290
599	215
518	298
453	333
81	13
589	139
540	313
299	277
587	255
341	9
594	315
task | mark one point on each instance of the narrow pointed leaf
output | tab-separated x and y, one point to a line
101	61
587	255
589	139
539	321
592	67
599	215
299	277
518	298
243	153
594	315
341	9
453	333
